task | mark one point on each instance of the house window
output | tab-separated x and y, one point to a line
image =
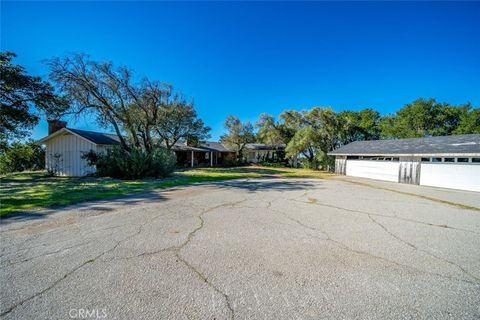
425	159
462	159
475	160
396	159
436	159
206	155
448	159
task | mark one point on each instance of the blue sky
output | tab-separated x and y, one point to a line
244	58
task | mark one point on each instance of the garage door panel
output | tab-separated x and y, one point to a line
380	170
455	176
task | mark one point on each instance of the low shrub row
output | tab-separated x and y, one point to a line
134	164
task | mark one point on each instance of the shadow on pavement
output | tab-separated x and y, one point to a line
268	184
94	207
97	207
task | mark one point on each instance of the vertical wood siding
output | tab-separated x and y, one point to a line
340	164
409	170
70	149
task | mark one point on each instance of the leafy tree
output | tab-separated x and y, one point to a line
178	120
304	143
413	120
359	125
238	135
99	88
469	122
148	112
272	132
429	118
23	98
22	156
318	133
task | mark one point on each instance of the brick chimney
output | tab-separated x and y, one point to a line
54	125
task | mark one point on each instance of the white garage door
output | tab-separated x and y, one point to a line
454	175
380	170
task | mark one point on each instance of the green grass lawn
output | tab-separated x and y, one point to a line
29	191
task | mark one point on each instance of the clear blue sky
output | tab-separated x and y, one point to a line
247	58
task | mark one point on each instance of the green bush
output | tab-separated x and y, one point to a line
274	164
21	157
321	161
135	164
234	162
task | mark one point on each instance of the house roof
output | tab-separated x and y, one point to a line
215	146
180	146
459	144
263	146
110	139
92	136
97	137
206	146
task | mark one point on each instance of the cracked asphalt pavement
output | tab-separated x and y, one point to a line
248	249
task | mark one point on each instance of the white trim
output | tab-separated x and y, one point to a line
407	154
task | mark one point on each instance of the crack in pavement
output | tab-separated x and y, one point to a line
450	203
318	203
22	249
66	275
11	263
369	215
200	275
414	247
391	262
56	282
269	207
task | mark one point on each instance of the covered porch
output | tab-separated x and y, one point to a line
194	158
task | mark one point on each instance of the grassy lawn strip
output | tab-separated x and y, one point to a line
29	191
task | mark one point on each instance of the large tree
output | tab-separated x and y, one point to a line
427	117
177	119
23	99
238	134
359	125
271	131
142	114
22	156
469	122
318	132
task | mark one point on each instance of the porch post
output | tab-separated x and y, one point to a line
211	159
192	160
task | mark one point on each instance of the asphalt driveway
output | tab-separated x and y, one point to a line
249	249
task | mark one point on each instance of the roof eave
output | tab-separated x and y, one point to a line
59	132
445	154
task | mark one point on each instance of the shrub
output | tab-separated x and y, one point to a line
22	156
274	164
136	164
234	162
321	161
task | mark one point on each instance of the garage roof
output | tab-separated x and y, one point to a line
460	144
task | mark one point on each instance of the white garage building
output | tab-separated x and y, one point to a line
445	161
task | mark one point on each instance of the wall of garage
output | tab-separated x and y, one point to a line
451	175
380	170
